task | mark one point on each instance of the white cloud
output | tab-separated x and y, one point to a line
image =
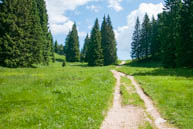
59	23
61	28
93	8
124	33
115	4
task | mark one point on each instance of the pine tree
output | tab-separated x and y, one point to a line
145	37
52	46
172	39
108	42
95	54
20	34
85	49
135	45
154	44
67	44
56	46
47	43
73	52
185	46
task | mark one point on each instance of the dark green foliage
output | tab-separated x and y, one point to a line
95	57
52	46
185	47
154	43
170	37
56	46
84	52
108	42
72	46
47	42
23	40
64	63
145	37
59	48
135	45
20	34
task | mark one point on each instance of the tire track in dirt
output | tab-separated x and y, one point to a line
130	117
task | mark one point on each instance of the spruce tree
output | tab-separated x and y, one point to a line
135	45
172	38
73	51
185	46
56	46
108	42
20	34
145	37
67	44
95	53
47	43
154	44
85	49
50	38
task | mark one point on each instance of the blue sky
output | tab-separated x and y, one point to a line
62	14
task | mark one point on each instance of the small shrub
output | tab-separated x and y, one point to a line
64	63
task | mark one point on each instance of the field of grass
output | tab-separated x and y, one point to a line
53	97
170	89
129	95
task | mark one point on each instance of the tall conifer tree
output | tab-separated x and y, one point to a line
73	51
135	45
47	43
84	52
145	37
108	42
172	38
185	46
21	35
95	57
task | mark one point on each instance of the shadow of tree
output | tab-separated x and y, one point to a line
179	72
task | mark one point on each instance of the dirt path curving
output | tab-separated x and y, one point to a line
128	117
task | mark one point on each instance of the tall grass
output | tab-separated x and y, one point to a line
53	97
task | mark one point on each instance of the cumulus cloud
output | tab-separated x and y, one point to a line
115	4
124	33
59	23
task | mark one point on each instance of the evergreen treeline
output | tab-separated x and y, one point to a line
169	38
24	36
59	48
100	48
72	46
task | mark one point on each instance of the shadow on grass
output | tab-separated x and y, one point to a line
180	72
145	64
80	65
59	60
32	66
159	70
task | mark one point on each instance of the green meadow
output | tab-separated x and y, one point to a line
53	97
170	89
78	96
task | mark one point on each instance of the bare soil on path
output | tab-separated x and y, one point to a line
128	117
131	117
